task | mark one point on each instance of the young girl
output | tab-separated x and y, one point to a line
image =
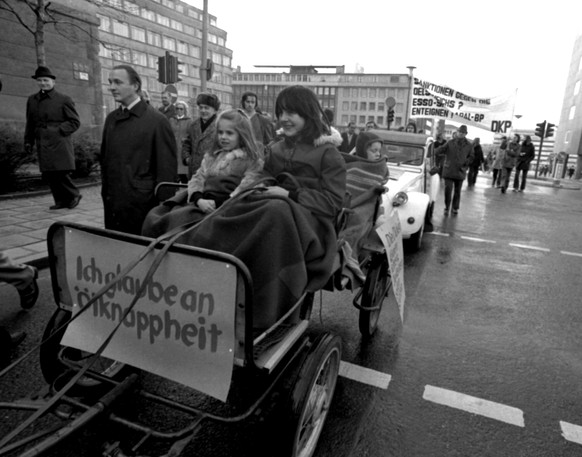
232	167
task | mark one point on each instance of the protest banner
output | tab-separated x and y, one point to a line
436	101
181	328
390	232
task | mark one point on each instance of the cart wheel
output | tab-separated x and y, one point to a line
311	396
376	288
53	354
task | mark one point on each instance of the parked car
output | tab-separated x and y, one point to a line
412	189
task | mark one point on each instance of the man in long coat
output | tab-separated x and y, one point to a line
51	118
138	152
457	154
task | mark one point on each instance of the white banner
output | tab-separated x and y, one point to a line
436	101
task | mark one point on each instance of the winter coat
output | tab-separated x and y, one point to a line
51	118
478	158
168	111
457	154
526	154
197	143
138	151
263	128
318	168
235	163
180	128
347	145
511	154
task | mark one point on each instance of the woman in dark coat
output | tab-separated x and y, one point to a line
526	154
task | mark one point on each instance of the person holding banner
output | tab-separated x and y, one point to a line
509	160
457	155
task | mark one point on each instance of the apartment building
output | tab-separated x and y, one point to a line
354	97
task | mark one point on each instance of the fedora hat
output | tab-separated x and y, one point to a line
43	72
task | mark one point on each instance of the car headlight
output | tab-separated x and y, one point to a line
400	199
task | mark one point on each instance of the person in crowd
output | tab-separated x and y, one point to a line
497	164
527	153
233	165
410	127
349	138
180	124
262	127
440	141
51	119
369	146
168	107
145	96
201	133
138	151
329	114
457	155
571	170
23	278
511	153
475	165
371	125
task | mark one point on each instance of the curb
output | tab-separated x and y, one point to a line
38	193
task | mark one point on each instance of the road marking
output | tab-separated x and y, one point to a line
474	405
479	240
525	246
577	254
439	233
364	375
571	432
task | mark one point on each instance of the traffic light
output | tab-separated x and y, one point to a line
390	115
173	69
209	69
540	129
163	69
549	130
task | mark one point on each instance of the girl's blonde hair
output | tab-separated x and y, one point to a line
243	127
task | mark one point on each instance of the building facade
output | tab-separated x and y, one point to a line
354	97
137	32
569	135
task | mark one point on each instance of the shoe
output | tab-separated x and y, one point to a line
515	190
503	190
16	338
446	211
520	190
57	206
455	212
75	201
29	294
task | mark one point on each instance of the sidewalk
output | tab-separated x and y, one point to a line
24	222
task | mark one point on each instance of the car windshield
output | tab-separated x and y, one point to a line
403	154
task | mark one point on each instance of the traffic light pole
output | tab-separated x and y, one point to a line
539	156
204	56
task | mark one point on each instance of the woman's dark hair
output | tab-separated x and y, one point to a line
133	76
303	102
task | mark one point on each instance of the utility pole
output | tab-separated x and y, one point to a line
204	56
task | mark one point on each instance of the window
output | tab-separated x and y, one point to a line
131	7
354	106
120	28
195	51
332	91
397	121
226	61
147	14
363	120
221	41
354	92
372	93
168	43
104	51
362	106
381	93
180	8
121	54
139	58
346	92
212	38
212	21
105	23
188	30
353	118
577	88
155	39
380	106
345	106
138	34
193	13
163	20
168	3
182	47
152	61
364	92
176	25
344	119
380	120
572	113
372	106
370	118
394	79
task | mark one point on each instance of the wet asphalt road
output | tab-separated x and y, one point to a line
491	330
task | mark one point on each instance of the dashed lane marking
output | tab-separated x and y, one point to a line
577	254
479	240
571	432
474	405
364	375
526	246
440	233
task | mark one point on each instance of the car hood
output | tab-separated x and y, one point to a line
403	179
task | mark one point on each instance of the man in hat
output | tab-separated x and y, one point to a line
201	136
138	151
456	155
51	119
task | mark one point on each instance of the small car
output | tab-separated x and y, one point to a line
413	184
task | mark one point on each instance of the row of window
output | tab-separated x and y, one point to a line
369	106
162	41
361	120
315	78
142	59
180	7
